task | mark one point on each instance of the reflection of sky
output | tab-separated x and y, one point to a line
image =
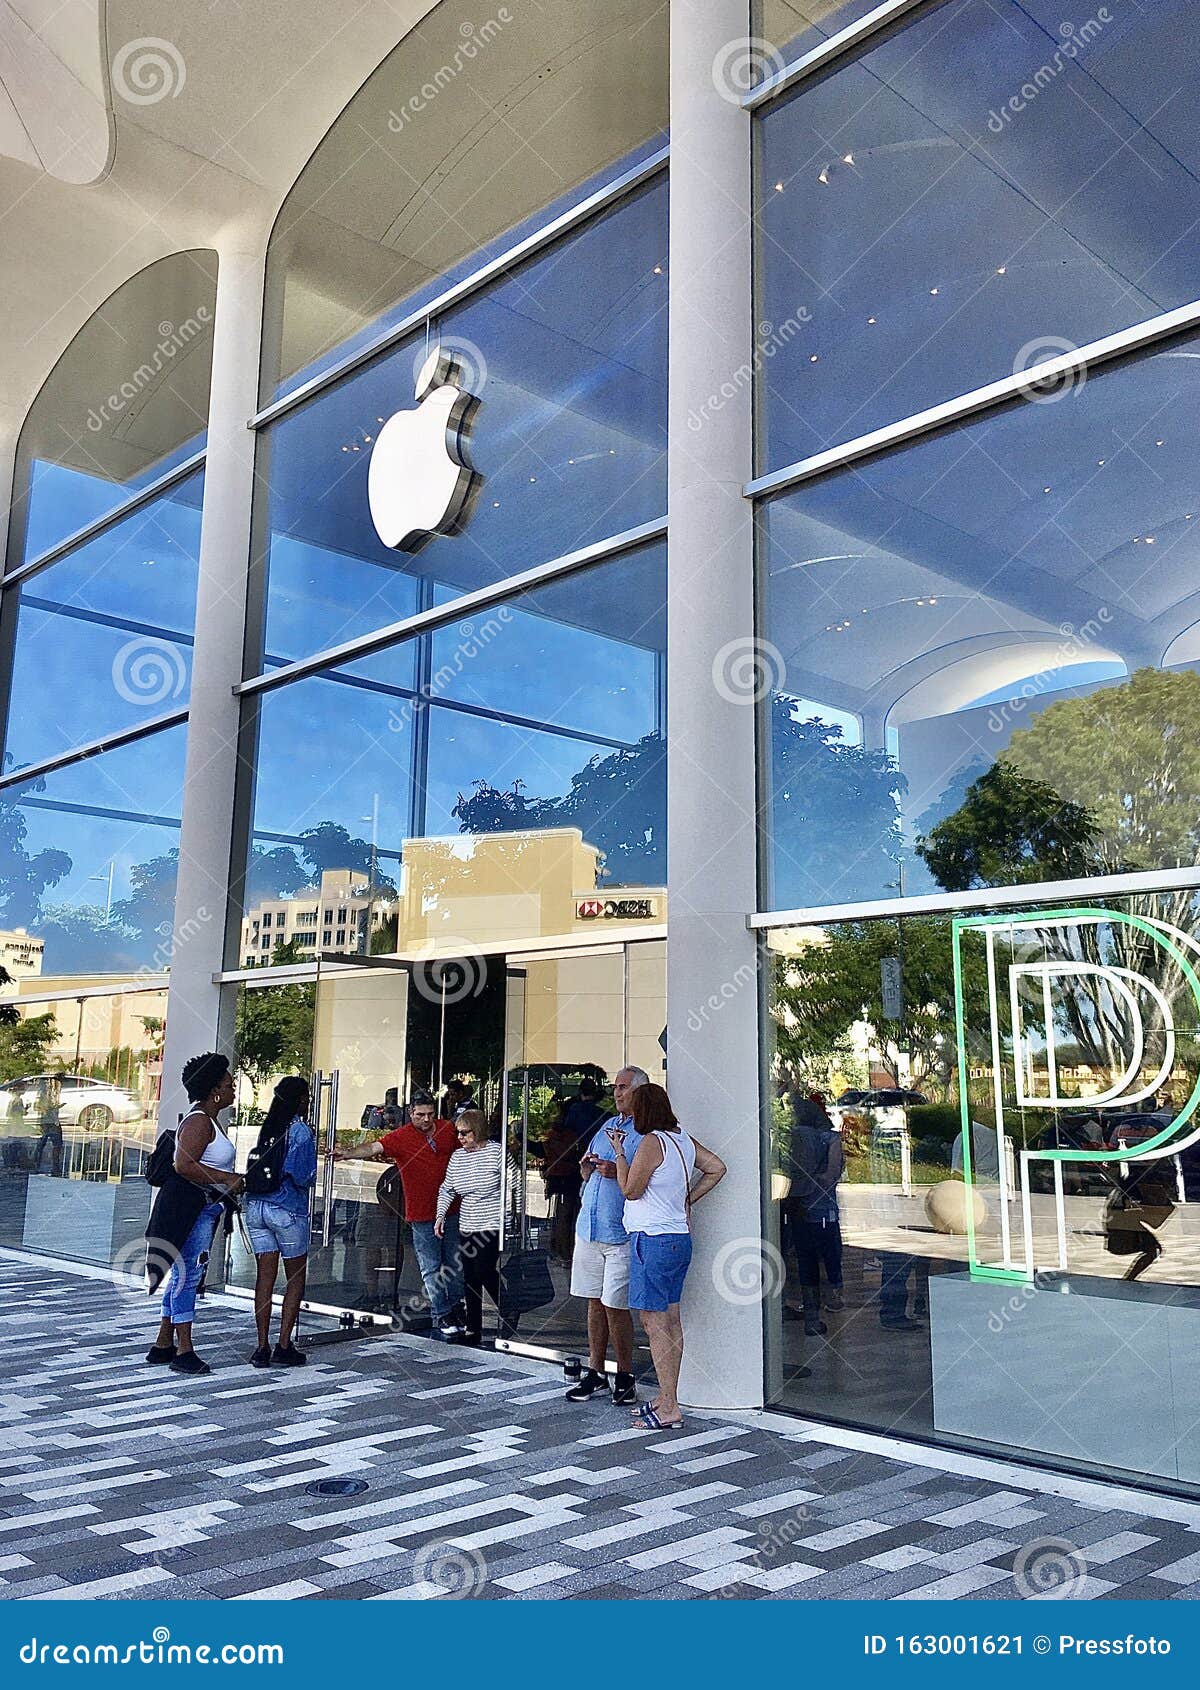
104	636
62	499
121	808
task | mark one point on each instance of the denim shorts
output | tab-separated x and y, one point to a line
272	1227
658	1264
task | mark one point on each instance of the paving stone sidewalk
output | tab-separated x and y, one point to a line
119	1481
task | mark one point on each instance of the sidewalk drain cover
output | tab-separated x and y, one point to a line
337	1487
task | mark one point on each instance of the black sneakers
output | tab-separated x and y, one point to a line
188	1362
624	1388
261	1356
590	1382
160	1354
291	1357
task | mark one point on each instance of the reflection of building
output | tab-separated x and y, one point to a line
330	917
512	888
20	956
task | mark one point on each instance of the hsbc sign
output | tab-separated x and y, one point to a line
614	909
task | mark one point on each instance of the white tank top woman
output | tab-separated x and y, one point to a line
220	1151
662	1207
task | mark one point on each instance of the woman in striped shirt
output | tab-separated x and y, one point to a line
473	1174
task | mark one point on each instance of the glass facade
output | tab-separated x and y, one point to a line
450	181
126	403
982	1086
977	835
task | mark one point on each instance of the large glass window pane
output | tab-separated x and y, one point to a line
786	29
88	861
567	358
479	783
126	402
986	187
468	136
80	1080
104	637
972	1253
986	650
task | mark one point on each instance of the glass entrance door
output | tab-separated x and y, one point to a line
573	1021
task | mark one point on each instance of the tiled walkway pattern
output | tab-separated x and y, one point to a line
118	1480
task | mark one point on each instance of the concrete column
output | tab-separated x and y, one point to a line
714	671
199	1016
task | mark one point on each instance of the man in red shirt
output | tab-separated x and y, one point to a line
421	1149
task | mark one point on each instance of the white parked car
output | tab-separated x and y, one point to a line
93	1105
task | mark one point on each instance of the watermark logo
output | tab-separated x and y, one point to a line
1061	380
748	1270
148	70
770	339
451	979
474	39
742	65
148	671
747	670
1073	41
460	1572
174	338
1049	1567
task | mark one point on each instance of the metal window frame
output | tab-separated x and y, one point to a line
90	530
987	898
620	186
94	748
121	989
440	616
1021	385
818	58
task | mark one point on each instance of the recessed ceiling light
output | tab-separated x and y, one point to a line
1002	269
933	290
847	158
813	359
870	319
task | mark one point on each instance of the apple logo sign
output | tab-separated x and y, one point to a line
418	480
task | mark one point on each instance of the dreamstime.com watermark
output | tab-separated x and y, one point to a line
475	37
156	1651
772	337
174	338
1073	41
1076	642
471	641
149	671
148	70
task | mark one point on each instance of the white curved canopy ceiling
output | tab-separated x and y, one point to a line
53	99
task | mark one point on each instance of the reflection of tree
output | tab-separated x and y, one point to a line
821	992
284	870
835	819
1101	784
25	1045
1010	830
618	802
24	878
275	1025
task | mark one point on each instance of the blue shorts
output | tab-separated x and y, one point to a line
272	1227
658	1264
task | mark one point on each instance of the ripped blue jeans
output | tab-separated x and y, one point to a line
179	1296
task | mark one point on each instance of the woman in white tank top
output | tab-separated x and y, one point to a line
659	1197
204	1158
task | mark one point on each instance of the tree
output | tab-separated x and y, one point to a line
275	1024
25	1045
24	878
81	939
1011	830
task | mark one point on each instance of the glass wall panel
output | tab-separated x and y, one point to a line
786	29
478	783
567	358
467	137
88	859
80	1080
104	637
127	401
982	189
997	1242
1008	610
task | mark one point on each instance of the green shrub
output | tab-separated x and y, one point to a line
934	1120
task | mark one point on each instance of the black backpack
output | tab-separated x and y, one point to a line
264	1167
162	1159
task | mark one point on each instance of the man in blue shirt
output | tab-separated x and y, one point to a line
600	1265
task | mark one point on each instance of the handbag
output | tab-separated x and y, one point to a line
389	1192
525	1282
